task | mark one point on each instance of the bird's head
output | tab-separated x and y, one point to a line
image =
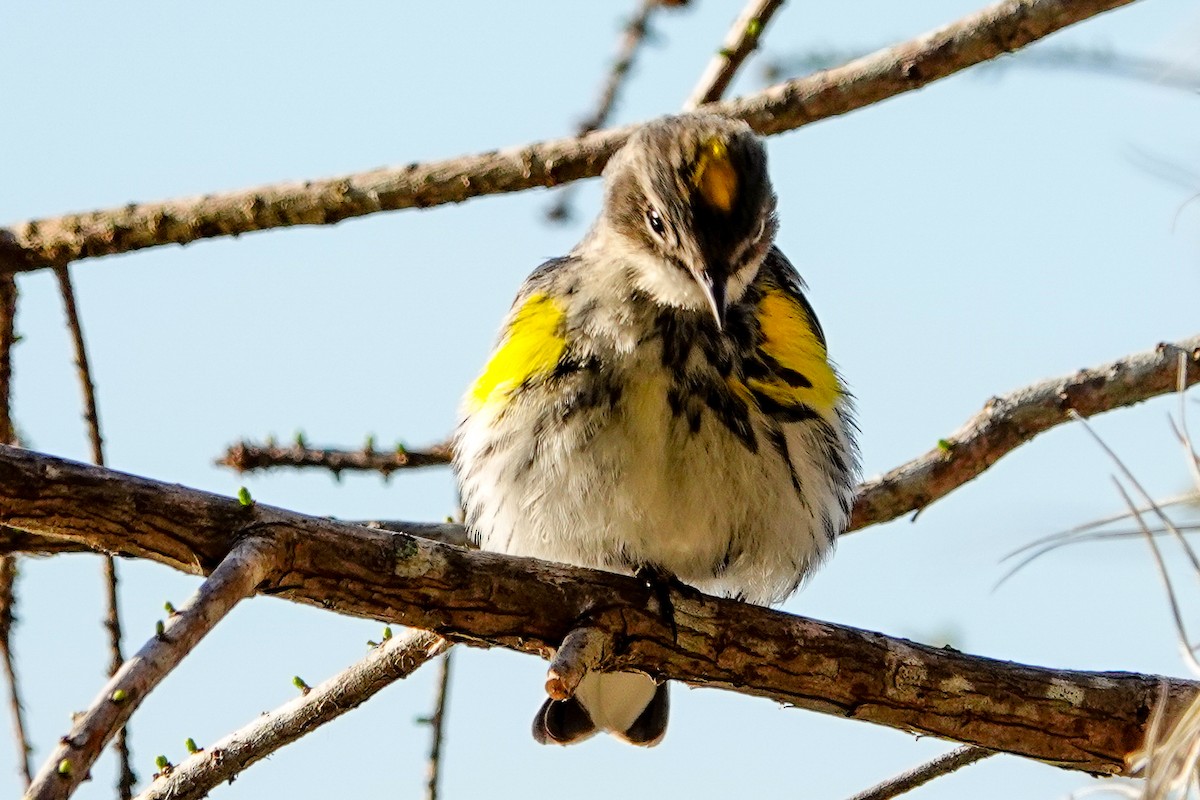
690	199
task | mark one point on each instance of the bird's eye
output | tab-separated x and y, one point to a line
656	224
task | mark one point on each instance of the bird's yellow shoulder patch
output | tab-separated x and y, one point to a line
530	348
715	178
803	374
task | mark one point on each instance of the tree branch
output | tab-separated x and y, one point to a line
1001	28
13	540
87	386
249	456
942	765
1009	421
437	729
740	42
1082	720
204	770
91	415
8	563
249	561
8	339
1095	60
8	596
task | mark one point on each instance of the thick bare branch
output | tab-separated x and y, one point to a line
740	42
1001	28
126	777
1007	422
249	456
204	770
13	540
1082	720
942	765
249	561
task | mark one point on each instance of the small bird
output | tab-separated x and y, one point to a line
659	402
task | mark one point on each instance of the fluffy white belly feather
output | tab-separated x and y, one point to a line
636	486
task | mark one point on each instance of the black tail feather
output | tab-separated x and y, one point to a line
562	722
651	725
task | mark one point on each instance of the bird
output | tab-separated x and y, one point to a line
660	402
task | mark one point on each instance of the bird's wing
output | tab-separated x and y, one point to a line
531	341
790	375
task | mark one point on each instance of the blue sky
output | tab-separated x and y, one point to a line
959	242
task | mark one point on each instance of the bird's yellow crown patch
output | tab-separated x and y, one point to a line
530	349
715	178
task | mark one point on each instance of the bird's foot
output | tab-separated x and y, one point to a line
661	583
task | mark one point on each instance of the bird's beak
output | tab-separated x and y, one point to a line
714	293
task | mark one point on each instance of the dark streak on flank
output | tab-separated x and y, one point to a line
779	441
798	412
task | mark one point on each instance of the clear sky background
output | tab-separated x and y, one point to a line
962	241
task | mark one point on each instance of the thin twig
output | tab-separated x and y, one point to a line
394	659
8	579
1099	522
905	67
1181	430
437	728
1170	169
633	35
741	40
126	778
8	563
1100	61
1067	539
249	456
90	413
1094	60
1193	557
8	339
1164	574
235	578
942	765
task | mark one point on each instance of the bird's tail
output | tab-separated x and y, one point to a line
629	705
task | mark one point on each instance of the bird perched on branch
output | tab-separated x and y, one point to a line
660	402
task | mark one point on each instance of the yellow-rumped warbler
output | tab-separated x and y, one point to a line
660	402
